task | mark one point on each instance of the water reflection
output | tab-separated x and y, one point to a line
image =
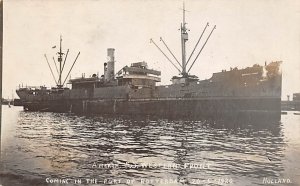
245	149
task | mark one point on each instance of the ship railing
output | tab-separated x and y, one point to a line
39	88
135	76
31	87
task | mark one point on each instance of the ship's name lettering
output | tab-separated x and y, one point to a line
105	166
129	165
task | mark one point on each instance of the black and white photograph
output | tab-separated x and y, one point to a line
150	92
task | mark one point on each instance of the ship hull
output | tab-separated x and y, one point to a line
216	107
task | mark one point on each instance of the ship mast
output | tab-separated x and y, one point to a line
184	38
60	54
60	83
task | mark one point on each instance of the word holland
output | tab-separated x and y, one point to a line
276	181
152	165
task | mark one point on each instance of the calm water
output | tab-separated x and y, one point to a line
39	147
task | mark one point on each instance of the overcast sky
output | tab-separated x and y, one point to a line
248	32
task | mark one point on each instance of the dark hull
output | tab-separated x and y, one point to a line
169	108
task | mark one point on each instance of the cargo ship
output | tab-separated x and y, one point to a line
133	89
